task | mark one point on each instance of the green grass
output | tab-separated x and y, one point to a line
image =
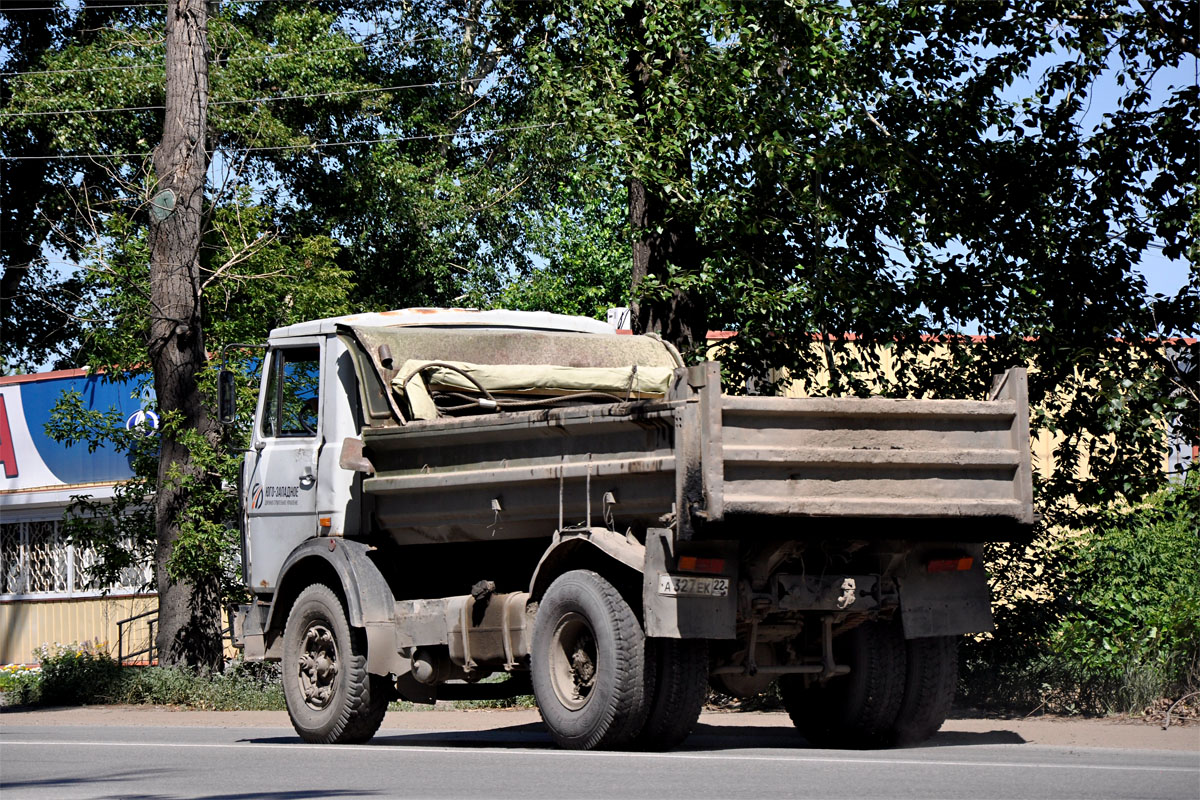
85	674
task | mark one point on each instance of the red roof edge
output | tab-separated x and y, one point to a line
9	380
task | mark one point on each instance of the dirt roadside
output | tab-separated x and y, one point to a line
1055	731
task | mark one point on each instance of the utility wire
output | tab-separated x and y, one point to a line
79	111
106	6
240	101
311	146
375	90
159	64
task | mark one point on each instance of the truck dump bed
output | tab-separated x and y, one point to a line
754	465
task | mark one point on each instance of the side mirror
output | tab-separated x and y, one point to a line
226	398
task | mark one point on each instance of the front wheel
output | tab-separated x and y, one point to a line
588	664
331	698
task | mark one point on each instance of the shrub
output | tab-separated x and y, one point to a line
21	685
1115	626
241	687
77	673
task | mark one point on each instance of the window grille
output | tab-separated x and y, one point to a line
12	575
36	559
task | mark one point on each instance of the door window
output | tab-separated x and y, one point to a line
293	387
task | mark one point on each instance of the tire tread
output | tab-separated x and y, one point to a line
366	695
622	719
680	687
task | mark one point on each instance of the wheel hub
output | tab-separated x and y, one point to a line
573	661
318	666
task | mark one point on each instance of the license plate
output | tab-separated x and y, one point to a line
686	586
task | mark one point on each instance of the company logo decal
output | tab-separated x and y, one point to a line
274	496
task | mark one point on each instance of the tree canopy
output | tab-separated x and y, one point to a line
891	197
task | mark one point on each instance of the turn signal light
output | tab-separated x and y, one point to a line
325	522
950	564
698	564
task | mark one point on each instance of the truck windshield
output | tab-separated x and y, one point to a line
293	383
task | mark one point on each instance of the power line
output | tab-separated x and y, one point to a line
240	101
79	111
56	8
424	137
106	6
375	90
159	64
311	146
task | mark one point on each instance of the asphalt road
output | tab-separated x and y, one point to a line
220	763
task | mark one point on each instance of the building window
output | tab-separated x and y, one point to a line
36	561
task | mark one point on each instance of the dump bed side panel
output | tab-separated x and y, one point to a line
523	474
871	458
718	459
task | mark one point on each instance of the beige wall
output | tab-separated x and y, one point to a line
1045	444
27	624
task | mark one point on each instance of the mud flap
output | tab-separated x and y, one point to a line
945	602
683	617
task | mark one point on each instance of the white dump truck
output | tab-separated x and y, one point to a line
436	496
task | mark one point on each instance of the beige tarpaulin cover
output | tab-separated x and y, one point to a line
533	379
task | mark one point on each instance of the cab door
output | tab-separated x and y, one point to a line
280	477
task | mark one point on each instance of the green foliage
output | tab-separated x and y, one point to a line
75	674
582	242
80	674
1135	600
121	530
520	701
906	175
20	685
241	687
1114	623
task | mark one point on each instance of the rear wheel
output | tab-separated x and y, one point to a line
858	710
679	688
932	678
331	698
588	664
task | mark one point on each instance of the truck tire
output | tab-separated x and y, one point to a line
588	664
331	698
679	687
932	678
858	710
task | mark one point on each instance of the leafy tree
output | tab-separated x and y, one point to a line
243	265
908	174
376	155
582	244
39	193
903	175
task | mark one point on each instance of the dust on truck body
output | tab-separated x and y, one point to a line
433	497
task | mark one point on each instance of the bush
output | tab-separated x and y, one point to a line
241	687
77	673
20	685
1117	626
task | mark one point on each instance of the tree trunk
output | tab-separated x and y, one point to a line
189	630
660	241
663	236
